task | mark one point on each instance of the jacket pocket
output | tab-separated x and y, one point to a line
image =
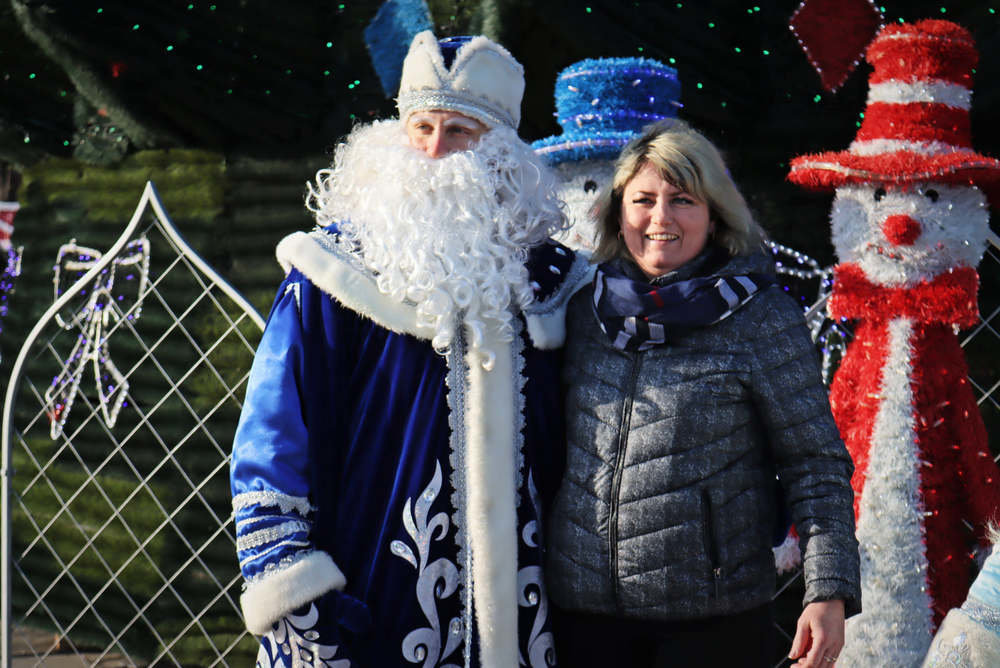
711	545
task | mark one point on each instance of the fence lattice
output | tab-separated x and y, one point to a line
117	428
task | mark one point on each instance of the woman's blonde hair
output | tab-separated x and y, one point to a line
686	160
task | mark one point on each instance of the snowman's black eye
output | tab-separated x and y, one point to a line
590	186
879	194
932	195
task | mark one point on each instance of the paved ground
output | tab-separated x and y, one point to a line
29	644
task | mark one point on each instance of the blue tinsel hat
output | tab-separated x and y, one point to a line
602	103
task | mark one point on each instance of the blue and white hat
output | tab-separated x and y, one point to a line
474	76
602	103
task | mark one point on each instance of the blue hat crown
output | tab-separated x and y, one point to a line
602	103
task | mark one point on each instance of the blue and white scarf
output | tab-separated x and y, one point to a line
637	315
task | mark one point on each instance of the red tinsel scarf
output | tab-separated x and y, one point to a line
958	479
948	299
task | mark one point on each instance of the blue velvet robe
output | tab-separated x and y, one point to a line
348	475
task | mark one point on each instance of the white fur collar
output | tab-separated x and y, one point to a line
335	274
316	256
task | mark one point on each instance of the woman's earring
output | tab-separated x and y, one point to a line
620	235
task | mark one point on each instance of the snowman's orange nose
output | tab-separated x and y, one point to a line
901	230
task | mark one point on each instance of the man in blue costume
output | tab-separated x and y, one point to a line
403	417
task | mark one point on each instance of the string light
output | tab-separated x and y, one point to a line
95	322
11	271
830	336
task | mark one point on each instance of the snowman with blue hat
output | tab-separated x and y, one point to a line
601	104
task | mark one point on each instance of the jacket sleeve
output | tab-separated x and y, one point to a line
812	462
270	476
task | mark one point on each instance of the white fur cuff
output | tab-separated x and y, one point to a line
267	600
547	321
547	332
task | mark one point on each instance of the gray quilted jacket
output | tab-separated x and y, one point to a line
668	506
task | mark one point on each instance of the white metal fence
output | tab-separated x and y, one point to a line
117	427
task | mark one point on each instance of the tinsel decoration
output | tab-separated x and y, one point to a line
12	265
834	34
7	212
916	125
810	284
602	103
909	227
12	270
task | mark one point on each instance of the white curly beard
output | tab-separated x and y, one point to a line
449	234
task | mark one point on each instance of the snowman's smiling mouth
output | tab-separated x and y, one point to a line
914	256
887	254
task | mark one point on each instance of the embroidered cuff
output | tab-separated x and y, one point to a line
272	529
278	592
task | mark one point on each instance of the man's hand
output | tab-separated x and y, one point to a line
820	632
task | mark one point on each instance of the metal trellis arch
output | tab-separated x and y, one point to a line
116	526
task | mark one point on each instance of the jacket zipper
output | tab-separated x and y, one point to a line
617	481
709	536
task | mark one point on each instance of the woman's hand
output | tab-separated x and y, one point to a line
820	632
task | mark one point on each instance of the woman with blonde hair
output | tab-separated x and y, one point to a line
692	383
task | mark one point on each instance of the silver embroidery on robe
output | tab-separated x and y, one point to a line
293	643
436	580
520	380
531	594
456	381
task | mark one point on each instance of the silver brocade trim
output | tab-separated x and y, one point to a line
436	580
518	383
576	273
457	384
304	544
456	381
335	244
477	106
283	502
531	593
274	567
270	534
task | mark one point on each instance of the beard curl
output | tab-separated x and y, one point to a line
450	235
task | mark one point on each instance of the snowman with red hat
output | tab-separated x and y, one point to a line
909	225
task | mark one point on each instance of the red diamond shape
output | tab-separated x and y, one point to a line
834	34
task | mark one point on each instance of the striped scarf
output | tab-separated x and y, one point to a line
637	315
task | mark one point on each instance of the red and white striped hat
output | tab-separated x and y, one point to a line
7	211
916	124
